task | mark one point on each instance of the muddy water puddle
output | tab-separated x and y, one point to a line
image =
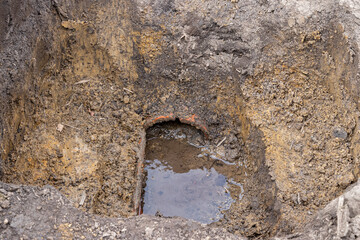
183	177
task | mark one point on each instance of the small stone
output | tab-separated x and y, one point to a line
6	221
158	214
298	147
148	232
291	22
59	154
96	225
5	204
45	192
60	127
300	20
110	234
126	99
3	191
339	132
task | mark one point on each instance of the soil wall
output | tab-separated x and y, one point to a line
278	79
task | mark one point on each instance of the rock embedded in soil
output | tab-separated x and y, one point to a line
340	133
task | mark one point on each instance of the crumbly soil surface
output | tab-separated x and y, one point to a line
275	81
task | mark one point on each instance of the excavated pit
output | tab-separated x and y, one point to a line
275	101
183	173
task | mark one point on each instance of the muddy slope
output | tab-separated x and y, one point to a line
278	79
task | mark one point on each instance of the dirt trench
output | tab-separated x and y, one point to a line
78	96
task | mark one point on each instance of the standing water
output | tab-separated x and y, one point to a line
181	179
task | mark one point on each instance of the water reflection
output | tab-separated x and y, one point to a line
186	177
199	194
